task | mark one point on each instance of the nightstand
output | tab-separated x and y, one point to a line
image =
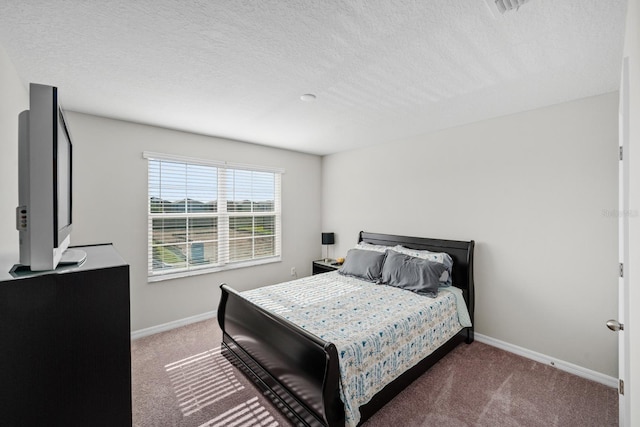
322	266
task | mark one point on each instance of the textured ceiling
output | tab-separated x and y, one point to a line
381	70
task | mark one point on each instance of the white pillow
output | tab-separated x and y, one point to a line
369	247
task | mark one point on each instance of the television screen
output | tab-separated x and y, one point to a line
63	183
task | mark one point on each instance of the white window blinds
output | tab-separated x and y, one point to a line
209	216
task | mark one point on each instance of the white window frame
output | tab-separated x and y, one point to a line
222	217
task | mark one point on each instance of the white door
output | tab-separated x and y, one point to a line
623	248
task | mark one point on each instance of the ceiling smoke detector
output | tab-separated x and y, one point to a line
502	6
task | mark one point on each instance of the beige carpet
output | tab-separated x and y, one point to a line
179	378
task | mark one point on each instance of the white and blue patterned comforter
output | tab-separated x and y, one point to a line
379	331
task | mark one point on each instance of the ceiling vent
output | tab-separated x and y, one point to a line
501	6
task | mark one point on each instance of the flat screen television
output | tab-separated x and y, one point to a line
44	214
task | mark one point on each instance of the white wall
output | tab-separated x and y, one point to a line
632	50
109	205
14	98
534	190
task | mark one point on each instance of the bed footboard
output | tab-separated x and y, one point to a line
298	369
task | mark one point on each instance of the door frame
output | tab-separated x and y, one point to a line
623	247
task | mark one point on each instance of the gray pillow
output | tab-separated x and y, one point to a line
413	274
365	265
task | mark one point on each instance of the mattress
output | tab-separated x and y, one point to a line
379	331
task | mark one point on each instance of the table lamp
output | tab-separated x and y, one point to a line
328	239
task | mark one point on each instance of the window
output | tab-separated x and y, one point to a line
209	216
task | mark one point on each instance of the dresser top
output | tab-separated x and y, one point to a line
98	256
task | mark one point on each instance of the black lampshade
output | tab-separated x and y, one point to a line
327	239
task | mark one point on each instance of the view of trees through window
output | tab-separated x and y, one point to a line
206	216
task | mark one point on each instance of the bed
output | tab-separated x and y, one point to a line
300	371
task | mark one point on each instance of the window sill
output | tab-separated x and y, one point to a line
197	272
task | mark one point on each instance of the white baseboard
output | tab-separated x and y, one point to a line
548	360
172	325
520	351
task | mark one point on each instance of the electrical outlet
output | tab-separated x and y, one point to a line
293	271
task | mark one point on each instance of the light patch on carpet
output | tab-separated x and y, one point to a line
202	379
248	414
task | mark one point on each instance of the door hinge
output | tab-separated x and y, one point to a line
620	152
621	270
621	387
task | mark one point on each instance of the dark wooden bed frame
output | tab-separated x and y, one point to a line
298	370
